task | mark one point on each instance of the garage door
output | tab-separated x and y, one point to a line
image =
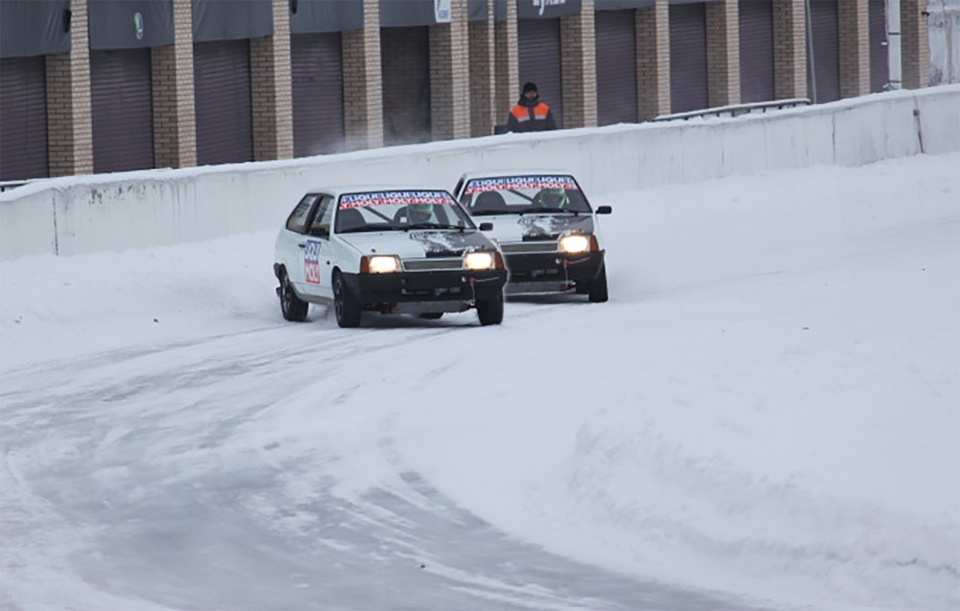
222	90
23	118
405	56
756	51
539	47
121	99
688	57
825	48
318	124
879	50
616	67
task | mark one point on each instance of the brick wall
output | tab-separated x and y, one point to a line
915	45
449	75
507	70
723	52
271	93
69	111
174	118
789	49
854	31
578	54
653	60
363	93
483	114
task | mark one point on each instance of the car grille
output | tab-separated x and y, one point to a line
528	247
432	265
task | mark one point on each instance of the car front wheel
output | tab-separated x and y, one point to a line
292	307
345	306
490	311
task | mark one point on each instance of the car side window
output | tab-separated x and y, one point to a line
457	190
297	221
320	226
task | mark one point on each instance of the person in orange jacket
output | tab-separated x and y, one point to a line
530	114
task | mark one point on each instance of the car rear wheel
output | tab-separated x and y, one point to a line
598	287
292	307
490	311
345	306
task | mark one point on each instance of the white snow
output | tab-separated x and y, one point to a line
767	413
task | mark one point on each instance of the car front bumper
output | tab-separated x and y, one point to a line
432	289
551	272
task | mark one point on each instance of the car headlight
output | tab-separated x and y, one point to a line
574	243
479	259
379	264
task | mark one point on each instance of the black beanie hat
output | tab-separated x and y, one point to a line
529	87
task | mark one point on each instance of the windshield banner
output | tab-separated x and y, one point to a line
387	198
518	183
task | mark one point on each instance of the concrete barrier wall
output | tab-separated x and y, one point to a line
115	212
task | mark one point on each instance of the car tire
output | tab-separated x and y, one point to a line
598	287
345	306
431	315
490	311
292	307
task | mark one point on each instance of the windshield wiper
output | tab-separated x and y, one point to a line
433	226
369	228
543	210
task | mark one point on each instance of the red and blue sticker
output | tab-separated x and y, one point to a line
519	183
311	262
398	198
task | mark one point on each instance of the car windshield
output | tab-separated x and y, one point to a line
399	211
546	194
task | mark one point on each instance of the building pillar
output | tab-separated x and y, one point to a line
271	97
854	27
578	55
69	110
653	60
363	102
789	49
483	113
723	53
449	75
914	44
174	114
507	58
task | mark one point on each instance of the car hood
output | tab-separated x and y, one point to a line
417	244
515	228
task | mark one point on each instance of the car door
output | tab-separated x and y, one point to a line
292	239
317	257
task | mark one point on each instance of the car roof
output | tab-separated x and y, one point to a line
338	190
519	172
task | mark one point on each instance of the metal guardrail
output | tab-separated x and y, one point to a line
736	110
6	185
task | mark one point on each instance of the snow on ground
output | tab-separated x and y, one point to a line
766	413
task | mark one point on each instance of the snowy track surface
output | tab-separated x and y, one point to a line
766	415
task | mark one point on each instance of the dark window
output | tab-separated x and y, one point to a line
539	61
756	51
616	67
688	57
23	118
297	221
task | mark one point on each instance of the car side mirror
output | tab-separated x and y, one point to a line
604	210
320	232
488	226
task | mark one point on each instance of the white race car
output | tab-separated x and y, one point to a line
545	227
389	250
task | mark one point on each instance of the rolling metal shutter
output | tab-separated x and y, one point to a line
405	56
121	99
616	67
688	57
756	51
23	118
221	72
318	123
879	54
825	48
539	49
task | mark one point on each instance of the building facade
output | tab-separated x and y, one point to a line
113	85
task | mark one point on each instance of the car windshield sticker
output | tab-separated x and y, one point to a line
311	262
518	183
386	198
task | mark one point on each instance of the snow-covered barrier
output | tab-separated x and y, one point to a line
115	212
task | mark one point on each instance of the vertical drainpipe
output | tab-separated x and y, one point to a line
893	42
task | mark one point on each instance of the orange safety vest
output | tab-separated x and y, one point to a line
522	113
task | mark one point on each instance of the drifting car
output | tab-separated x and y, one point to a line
545	227
388	250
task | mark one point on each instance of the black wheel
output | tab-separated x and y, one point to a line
345	306
431	315
598	287
292	307
490	311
